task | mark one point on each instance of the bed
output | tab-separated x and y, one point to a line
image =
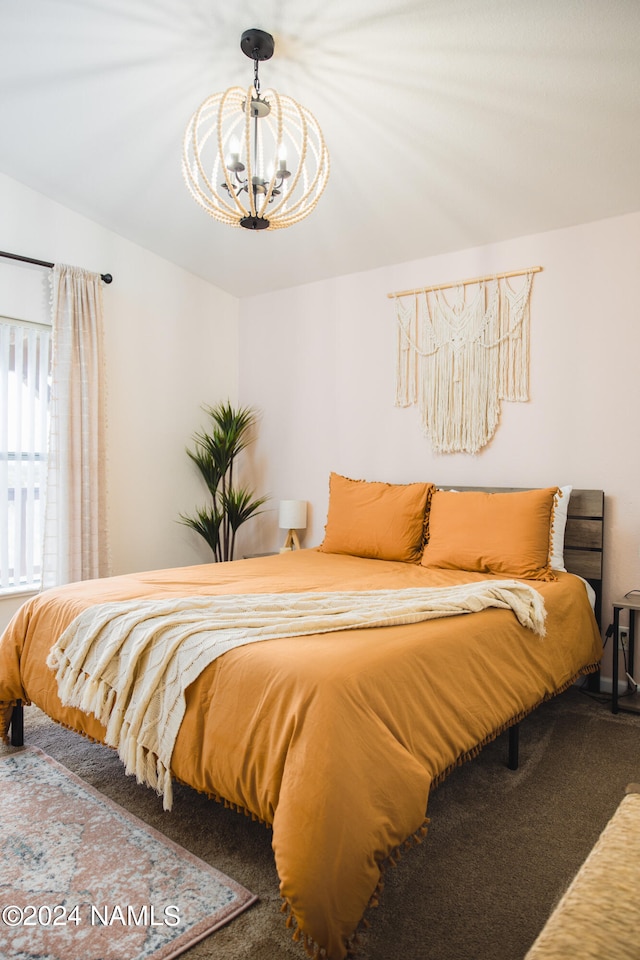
335	738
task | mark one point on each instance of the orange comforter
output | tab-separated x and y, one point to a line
333	739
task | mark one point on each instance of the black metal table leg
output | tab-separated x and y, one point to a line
614	690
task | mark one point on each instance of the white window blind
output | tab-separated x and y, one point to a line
25	363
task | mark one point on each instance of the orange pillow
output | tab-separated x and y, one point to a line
382	521
502	533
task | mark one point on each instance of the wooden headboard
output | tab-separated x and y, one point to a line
583	536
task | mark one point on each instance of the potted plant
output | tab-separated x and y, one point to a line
214	454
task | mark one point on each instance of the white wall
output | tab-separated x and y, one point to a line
319	362
171	345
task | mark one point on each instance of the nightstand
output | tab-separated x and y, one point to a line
632	704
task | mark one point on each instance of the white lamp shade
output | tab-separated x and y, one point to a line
293	515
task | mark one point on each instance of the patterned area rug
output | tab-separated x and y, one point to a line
83	879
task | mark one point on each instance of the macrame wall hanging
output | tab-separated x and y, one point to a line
462	349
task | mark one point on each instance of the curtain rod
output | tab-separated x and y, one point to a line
44	263
465	283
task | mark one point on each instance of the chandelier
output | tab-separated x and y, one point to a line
251	160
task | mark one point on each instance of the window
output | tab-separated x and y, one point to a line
25	366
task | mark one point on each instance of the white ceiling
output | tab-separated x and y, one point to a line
450	123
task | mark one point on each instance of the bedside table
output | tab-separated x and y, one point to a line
633	606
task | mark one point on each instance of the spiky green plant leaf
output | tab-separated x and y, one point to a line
214	455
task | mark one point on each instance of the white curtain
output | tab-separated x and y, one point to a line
75	543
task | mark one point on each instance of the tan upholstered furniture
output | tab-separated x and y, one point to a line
598	918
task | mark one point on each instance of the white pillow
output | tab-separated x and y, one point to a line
561	505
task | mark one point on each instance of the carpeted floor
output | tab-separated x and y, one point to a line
501	848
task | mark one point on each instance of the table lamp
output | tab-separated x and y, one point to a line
293	517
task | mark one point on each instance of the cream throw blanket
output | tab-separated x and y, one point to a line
129	663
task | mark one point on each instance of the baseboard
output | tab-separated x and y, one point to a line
606	685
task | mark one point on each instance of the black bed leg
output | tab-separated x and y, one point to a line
17	725
514	743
